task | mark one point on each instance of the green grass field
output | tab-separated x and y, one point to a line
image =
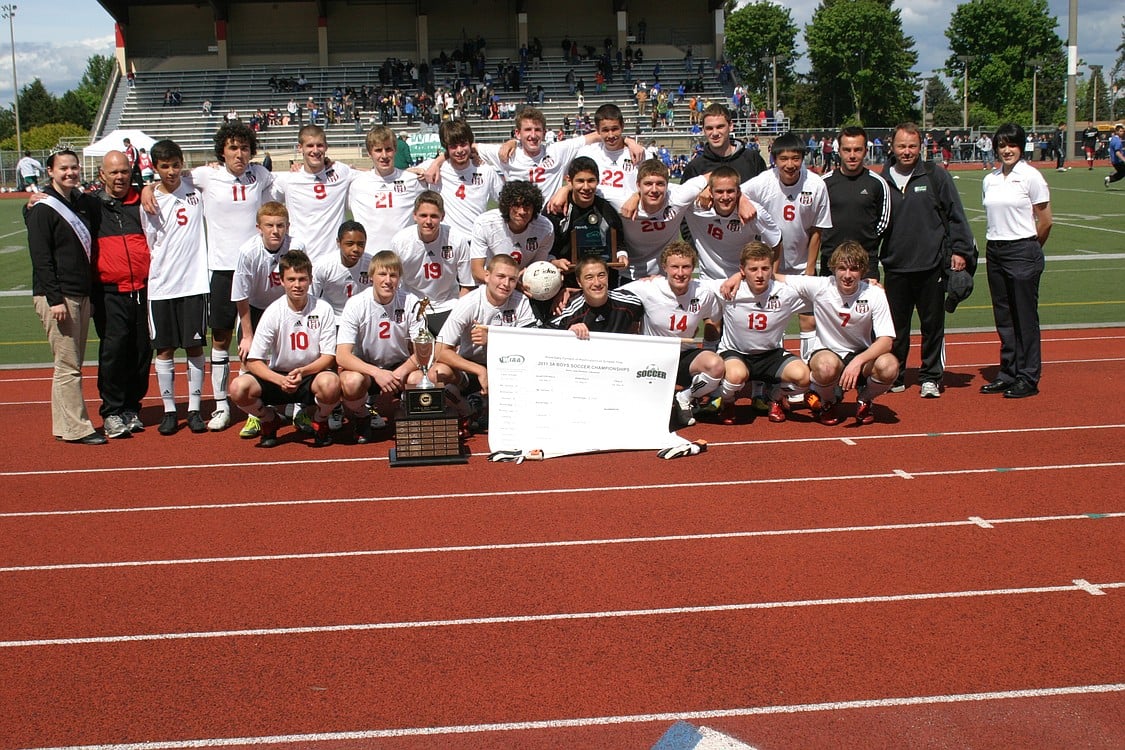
1084	283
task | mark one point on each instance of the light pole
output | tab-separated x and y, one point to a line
1096	73
9	12
1036	63
773	60
966	59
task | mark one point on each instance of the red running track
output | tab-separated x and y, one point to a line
951	576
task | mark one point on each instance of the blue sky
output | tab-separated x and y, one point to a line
55	38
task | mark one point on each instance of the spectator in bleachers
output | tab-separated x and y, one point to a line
206	107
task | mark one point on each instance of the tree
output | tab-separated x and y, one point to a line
37	105
944	110
861	62
99	69
1084	108
758	30
46	137
1001	37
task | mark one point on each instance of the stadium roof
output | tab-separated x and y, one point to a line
119	9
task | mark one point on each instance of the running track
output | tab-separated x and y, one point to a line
952	576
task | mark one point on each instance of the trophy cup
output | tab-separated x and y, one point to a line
426	431
424	349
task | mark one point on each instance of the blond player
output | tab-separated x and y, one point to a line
382	199
316	195
719	234
373	344
676	304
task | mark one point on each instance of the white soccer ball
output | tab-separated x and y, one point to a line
542	280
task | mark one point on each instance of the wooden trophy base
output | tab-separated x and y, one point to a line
426	431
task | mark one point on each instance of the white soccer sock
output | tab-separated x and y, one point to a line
703	384
808	344
165	381
873	389
729	391
827	393
195	367
323	410
220	375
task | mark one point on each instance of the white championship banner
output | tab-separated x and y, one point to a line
550	391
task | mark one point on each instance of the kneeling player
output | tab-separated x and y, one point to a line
463	340
291	356
599	308
675	304
373	345
853	322
754	322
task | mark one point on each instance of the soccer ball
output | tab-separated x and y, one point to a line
542	280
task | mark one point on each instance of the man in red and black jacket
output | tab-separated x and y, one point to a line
120	304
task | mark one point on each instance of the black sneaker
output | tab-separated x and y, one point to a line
268	437
362	427
322	436
168	424
195	422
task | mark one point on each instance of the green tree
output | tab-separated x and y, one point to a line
762	30
942	109
45	137
37	105
1084	108
1000	37
861	62
99	69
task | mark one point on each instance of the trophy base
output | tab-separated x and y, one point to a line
424	438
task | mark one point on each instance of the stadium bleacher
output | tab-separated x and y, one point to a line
247	89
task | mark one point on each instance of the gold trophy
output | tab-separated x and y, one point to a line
426	432
424	348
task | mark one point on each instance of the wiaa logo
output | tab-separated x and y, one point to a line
512	359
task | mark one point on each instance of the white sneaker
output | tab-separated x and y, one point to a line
930	389
220	420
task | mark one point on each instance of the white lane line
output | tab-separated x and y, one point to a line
948	367
1088	587
903	474
556	617
596	721
556	491
710	446
455	549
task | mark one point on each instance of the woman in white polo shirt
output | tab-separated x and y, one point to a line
1017	205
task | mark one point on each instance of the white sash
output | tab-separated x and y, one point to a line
71	218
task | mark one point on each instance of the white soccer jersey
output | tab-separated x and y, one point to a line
754	323
257	278
230	205
179	249
287	339
474	307
383	205
545	170
336	283
617	174
380	333
797	209
316	204
678	315
467	192
845	324
491	236
719	239
649	233
437	269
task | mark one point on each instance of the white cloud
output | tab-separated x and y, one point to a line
59	67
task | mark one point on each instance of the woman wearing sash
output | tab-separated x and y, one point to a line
59	238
